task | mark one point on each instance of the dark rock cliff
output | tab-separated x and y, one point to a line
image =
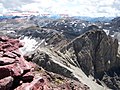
94	52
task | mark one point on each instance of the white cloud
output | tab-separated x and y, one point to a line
93	8
2	9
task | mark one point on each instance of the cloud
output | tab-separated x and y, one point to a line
93	8
116	4
14	4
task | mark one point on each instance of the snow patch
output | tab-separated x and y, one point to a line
29	45
106	31
10	31
112	35
109	62
83	24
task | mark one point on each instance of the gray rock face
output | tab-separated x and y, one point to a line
112	82
94	52
44	60
57	62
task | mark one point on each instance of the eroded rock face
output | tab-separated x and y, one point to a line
18	74
94	52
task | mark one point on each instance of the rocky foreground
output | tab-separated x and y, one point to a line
18	74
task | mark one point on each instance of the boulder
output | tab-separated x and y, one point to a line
6	83
4	72
11	70
10	55
4	38
28	77
6	61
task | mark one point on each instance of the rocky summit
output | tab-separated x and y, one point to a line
18	74
59	54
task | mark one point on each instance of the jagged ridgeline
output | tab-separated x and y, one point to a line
73	49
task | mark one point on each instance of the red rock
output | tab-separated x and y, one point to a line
28	77
17	70
6	60
24	86
1	54
33	66
39	83
4	47
21	66
12	48
10	44
17	52
4	72
25	64
6	83
36	84
15	42
14	63
4	38
10	55
11	70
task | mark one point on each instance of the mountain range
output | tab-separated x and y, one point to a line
80	50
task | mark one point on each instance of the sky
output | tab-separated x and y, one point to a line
91	8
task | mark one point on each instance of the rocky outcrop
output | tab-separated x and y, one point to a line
18	74
6	83
58	83
12	64
94	52
112	82
49	62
